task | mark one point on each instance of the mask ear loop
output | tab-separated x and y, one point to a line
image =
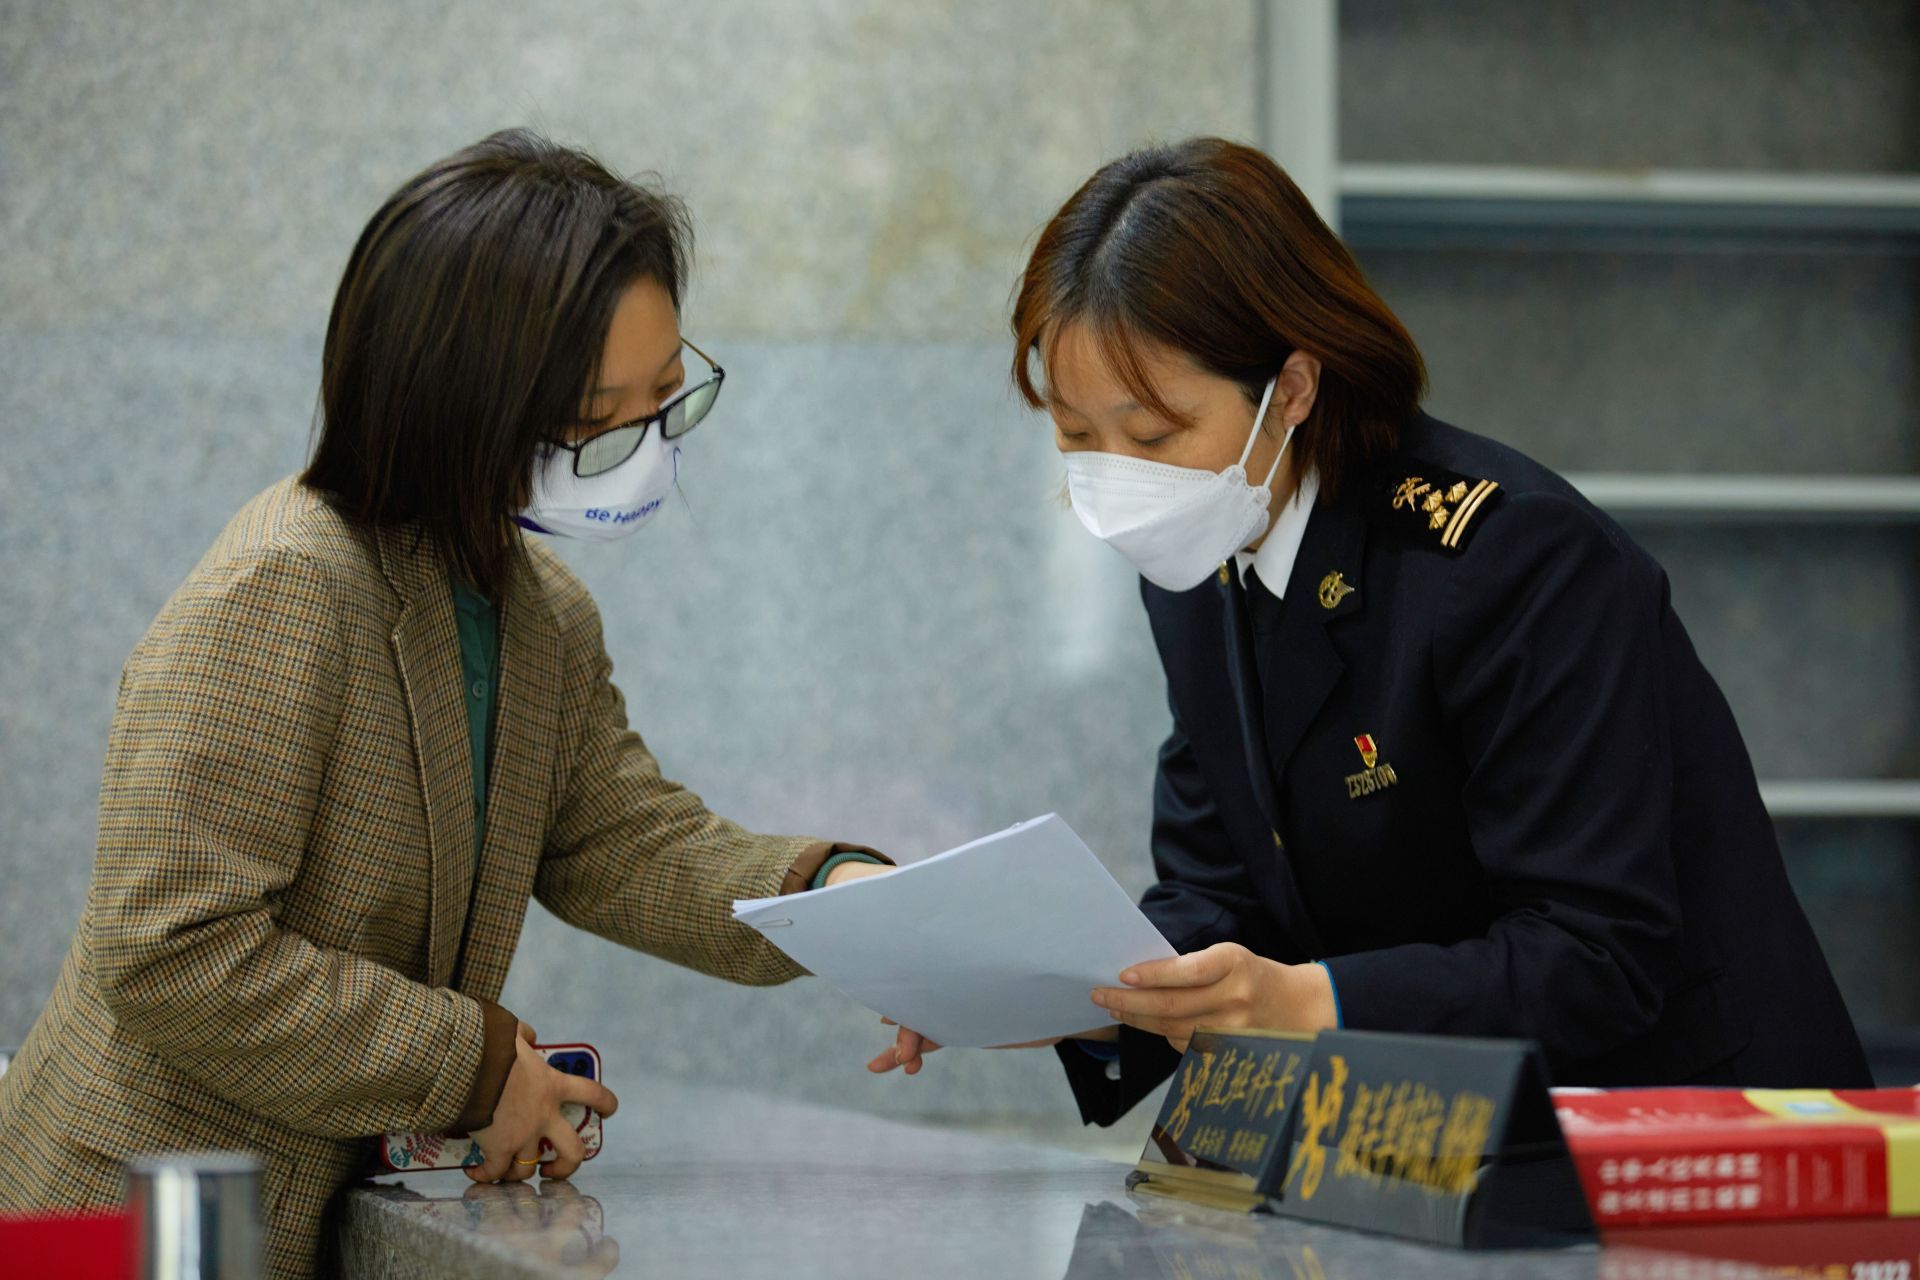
677	489
1260	416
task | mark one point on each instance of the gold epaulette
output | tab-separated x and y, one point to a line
1433	503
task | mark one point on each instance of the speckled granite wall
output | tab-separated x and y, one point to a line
855	166
870	621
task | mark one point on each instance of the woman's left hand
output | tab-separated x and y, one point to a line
1225	985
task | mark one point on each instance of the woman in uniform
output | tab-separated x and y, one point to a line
378	717
1443	759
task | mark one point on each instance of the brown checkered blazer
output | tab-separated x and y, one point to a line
285	865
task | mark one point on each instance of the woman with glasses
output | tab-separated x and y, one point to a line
377	718
1442	757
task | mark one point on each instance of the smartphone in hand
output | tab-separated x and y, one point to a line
416	1152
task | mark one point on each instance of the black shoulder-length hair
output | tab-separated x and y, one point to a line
468	328
1207	247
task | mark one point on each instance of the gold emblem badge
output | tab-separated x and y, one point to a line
1333	589
1377	776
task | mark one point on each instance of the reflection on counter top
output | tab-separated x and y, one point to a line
522	1229
697	1182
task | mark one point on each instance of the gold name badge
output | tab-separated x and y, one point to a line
1377	776
1368	781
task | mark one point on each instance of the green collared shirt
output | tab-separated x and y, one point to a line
479	626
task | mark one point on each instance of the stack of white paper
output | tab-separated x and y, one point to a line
996	942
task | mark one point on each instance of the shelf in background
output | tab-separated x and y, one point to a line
1736	498
1846	798
1421	205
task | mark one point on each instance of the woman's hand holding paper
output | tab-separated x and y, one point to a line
910	1047
1224	985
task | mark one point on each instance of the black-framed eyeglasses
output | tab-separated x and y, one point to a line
608	449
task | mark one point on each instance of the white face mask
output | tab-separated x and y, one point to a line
604	507
1176	524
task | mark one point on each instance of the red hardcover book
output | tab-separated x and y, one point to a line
76	1244
1654	1157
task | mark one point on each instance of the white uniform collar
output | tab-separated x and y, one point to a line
1274	560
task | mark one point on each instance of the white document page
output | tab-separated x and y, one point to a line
996	942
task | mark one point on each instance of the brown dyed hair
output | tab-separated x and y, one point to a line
468	328
1207	248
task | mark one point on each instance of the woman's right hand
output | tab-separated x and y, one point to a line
910	1047
528	1111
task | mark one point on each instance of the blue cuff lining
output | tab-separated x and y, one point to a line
1339	1019
1099	1050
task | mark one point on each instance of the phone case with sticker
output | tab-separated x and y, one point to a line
417	1152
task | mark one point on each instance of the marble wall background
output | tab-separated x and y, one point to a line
870	619
856	166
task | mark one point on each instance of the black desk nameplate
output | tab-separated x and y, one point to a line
1446	1140
1222	1133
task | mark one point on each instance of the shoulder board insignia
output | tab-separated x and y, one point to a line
1436	505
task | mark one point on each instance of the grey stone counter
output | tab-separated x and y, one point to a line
708	1183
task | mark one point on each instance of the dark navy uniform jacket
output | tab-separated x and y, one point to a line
1472	763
